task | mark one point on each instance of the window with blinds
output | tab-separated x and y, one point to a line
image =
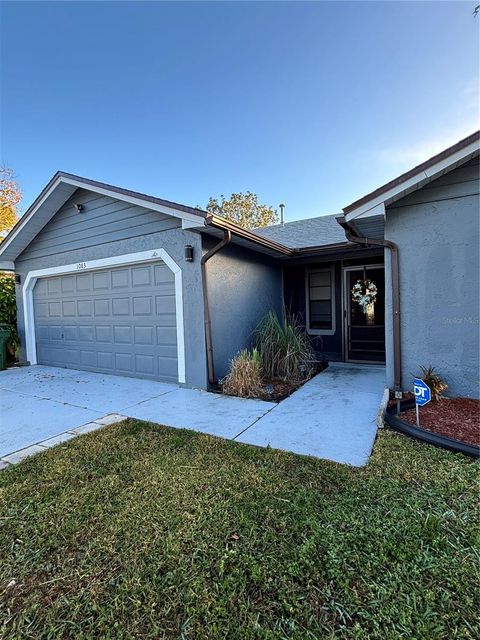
320	291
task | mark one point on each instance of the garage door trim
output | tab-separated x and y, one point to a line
102	263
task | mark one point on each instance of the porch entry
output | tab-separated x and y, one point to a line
364	326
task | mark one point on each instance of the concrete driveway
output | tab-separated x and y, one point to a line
332	416
38	403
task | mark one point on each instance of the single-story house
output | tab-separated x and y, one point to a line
119	282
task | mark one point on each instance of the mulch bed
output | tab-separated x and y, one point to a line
457	418
278	389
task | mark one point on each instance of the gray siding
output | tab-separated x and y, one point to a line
243	286
103	220
437	231
157	232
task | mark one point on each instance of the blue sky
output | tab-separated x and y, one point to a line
312	104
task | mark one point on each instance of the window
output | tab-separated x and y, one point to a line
321	301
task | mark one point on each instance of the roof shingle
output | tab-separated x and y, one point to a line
311	232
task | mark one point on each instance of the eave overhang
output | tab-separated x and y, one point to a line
374	204
60	188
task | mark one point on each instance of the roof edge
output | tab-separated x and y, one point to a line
458	146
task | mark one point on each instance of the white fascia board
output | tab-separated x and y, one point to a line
377	210
416	181
192	224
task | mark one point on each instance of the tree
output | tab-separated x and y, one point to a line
10	196
243	209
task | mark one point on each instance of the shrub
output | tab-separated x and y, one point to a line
434	381
245	376
284	348
8	311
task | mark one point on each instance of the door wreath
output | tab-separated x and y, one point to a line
364	292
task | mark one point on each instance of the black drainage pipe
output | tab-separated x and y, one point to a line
422	435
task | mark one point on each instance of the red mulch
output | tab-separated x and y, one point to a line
457	418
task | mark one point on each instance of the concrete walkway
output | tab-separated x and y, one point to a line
332	416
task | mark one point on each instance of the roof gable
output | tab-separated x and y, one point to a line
60	188
374	203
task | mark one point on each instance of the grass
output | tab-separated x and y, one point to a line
139	531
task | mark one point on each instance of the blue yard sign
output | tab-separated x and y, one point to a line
421	391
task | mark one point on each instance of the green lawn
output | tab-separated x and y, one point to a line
139	531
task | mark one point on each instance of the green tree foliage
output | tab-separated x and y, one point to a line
243	209
8	311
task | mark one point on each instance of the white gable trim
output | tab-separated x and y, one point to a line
91	265
79	184
415	182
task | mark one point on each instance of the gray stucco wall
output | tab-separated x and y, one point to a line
437	231
242	286
168	236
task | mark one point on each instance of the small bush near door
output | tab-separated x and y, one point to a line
284	348
8	312
434	381
245	376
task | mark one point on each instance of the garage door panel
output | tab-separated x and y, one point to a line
68	284
100	281
103	334
144	335
120	320
169	366
54	310
70	332
145	364
86	333
55	333
84	308
162	274
53	286
101	307
141	276
83	282
121	306
142	305
165	304
105	360
88	358
120	279
166	335
122	334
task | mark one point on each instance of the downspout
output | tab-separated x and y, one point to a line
397	356
227	236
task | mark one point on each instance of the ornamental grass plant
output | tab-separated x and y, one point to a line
284	347
245	376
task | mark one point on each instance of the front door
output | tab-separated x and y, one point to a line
364	324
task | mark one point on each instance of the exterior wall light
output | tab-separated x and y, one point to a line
188	253
79	208
17	278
